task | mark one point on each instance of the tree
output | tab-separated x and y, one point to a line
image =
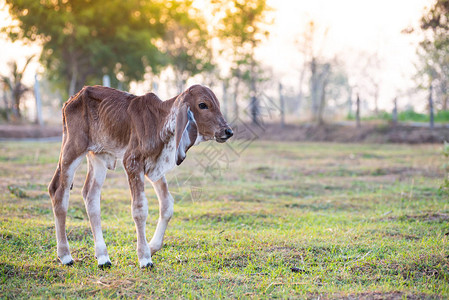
329	87
335	89
433	51
13	83
323	81
185	41
311	52
369	72
242	28
84	39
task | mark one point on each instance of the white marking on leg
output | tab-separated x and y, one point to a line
60	213
145	262
165	213
140	214
103	259
92	202
66	259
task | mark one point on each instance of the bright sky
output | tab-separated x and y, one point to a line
354	26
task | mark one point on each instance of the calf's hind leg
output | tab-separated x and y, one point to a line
59	190
91	193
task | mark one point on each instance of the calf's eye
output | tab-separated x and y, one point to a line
202	105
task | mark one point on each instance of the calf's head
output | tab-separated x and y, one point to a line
199	119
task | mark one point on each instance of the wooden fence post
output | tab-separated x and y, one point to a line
282	105
37	96
395	112
357	112
431	107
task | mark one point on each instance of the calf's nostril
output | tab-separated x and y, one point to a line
229	132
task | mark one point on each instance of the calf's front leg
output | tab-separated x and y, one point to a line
165	213
140	213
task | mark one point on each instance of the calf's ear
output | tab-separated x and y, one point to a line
186	132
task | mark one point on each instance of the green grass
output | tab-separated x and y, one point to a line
409	115
353	220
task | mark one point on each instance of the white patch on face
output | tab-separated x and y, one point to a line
199	139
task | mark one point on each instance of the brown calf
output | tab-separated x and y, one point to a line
150	136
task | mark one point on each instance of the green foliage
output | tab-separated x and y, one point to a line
17	191
409	115
288	220
383	115
433	51
14	85
243	28
350	117
186	41
442	116
83	39
4	113
243	23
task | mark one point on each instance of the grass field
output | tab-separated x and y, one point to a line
352	220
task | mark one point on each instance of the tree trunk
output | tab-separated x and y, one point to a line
282	105
395	112
37	96
445	102
225	99
431	107
80	84
181	86
314	88
253	92
5	99
254	105
72	85
236	91
300	94
15	93
181	81
376	100
349	103
322	102
357	112
106	80
7	106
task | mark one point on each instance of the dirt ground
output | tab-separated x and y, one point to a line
368	133
8	131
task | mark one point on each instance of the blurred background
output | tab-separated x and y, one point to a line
291	64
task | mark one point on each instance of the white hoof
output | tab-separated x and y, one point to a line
146	263
104	261
66	260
